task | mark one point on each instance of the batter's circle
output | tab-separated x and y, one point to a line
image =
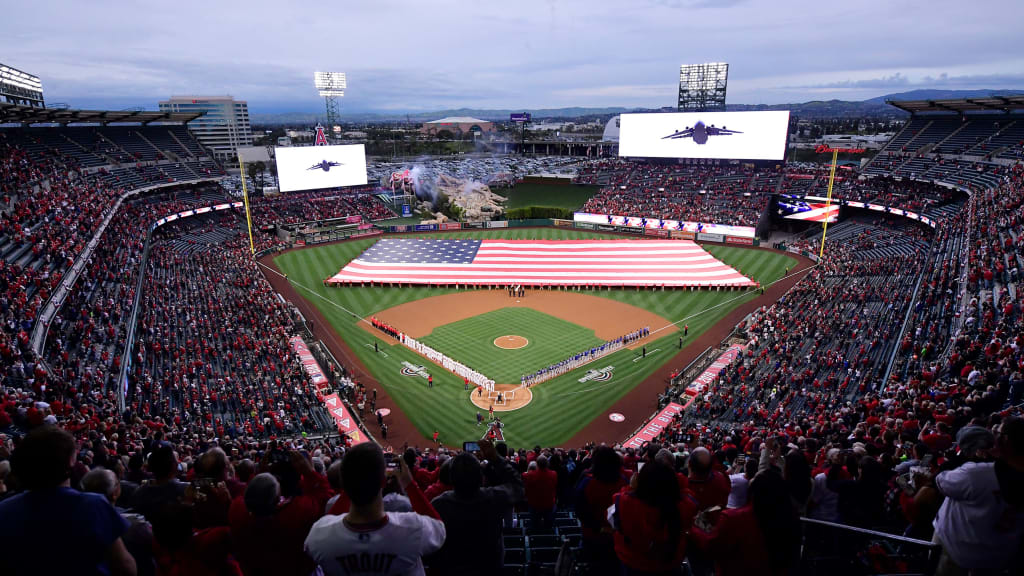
521	396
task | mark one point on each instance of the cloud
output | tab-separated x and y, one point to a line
902	81
697	4
404	54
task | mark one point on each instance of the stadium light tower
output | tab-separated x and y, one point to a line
702	86
331	86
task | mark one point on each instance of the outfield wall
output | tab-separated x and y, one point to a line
563	223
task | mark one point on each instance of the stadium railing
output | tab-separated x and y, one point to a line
830	548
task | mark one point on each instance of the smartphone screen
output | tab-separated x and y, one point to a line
470	447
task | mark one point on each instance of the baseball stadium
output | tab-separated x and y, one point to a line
411	335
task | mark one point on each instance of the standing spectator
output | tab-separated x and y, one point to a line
862	501
182	550
824	504
271	520
797	473
710	487
368	539
473	513
594	494
651	522
981	523
138	539
337	504
739	483
762	537
164	488
53	525
541	487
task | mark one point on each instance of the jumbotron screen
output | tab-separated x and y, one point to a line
313	167
713	135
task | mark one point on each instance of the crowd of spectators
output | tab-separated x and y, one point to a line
693	193
196	475
737	195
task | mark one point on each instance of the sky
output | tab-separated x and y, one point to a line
407	55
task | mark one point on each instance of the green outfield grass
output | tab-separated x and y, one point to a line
561	406
570	197
471	341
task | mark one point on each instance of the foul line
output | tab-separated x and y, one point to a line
313	292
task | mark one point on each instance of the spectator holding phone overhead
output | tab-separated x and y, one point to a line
367	539
472	513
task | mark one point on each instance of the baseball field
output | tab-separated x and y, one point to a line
505	337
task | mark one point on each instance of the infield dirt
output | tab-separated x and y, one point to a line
608	318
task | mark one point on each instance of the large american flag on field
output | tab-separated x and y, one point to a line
539	263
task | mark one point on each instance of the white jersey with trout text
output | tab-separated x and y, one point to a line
394	546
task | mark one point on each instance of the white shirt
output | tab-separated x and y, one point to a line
738	494
396	547
978	529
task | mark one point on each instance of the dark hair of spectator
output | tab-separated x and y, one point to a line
162	462
467	477
658	487
444	475
776	518
334	475
245	470
606	464
362	473
44	458
798	476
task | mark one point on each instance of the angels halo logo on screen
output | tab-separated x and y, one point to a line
325	165
700	133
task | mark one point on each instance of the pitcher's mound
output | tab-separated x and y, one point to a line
511	342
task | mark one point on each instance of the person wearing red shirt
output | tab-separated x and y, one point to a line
268	538
594	493
762	537
443	484
937	439
651	522
709	487
541	485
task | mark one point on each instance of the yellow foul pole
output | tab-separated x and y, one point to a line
245	198
828	201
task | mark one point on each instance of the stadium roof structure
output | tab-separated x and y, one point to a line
960	105
14	114
457	120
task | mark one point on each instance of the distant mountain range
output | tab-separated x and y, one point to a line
873	108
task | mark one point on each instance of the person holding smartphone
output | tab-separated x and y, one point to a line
473	513
368	539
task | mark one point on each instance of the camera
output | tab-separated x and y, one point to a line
470	447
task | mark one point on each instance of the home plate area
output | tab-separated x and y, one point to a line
504	398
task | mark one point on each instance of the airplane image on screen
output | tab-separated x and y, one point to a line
700	133
325	166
